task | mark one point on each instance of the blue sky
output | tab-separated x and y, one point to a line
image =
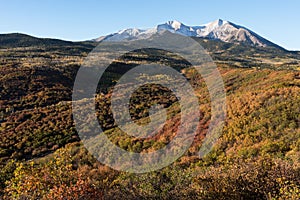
278	21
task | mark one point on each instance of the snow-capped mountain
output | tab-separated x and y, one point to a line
217	30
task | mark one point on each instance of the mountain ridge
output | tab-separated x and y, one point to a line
11	40
219	29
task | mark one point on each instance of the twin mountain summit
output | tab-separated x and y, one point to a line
217	30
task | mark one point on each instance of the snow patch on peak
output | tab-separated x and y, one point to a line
131	31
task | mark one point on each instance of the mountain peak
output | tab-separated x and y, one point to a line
174	24
217	23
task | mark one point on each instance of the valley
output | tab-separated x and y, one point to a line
42	156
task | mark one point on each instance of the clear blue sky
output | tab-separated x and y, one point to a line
278	21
